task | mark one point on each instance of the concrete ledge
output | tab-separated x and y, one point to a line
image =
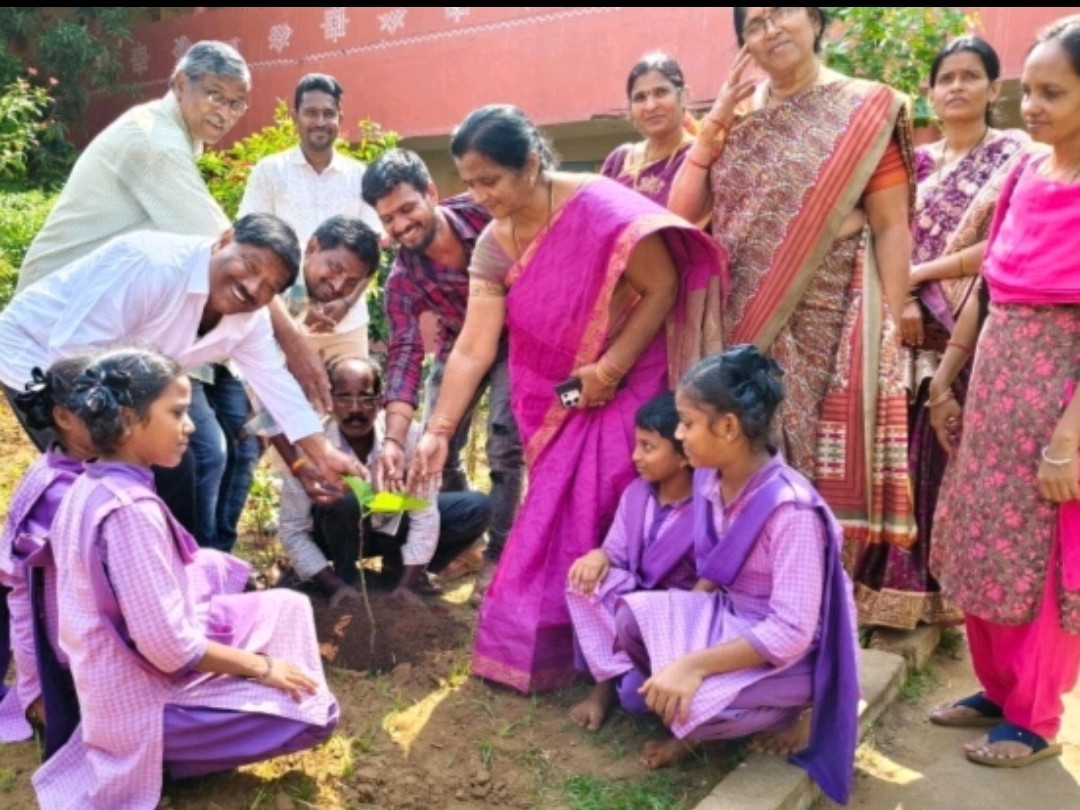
915	645
770	783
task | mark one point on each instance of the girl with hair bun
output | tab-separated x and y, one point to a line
208	682
43	405
769	629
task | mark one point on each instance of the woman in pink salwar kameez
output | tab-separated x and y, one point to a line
1009	514
29	522
585	275
171	669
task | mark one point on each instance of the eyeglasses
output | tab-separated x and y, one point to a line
359	400
236	106
755	29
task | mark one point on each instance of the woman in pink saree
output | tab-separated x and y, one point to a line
585	275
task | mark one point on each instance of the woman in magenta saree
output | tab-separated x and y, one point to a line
597	273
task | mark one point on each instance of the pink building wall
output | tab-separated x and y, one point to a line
418	70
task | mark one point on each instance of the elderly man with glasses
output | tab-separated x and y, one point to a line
325	541
139	174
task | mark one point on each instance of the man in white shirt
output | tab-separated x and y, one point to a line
194	299
324	541
304	186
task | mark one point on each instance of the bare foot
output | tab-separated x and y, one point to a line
658	754
592	711
784	743
467	562
483	582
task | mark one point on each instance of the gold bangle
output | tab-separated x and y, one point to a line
622	372
963	270
298	465
961	347
941	400
604	377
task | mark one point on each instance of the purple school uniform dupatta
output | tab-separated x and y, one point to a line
830	756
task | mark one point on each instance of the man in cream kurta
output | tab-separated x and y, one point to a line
305	186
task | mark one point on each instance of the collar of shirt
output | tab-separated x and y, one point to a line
170	108
334	435
297	158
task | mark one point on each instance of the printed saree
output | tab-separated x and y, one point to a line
559	317
789	176
953	209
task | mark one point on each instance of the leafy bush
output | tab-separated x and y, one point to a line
22	213
32	146
226	173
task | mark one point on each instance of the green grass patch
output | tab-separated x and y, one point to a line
658	791
7	779
917	684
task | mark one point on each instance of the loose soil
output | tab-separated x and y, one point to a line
417	732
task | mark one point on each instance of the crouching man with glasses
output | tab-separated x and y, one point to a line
326	537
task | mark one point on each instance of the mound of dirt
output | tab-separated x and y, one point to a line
404	633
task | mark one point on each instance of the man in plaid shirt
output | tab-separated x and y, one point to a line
430	274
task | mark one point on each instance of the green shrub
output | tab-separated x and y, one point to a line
226	173
22	213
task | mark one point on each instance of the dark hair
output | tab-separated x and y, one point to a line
272	233
1066	32
49	389
970	44
376	370
662	64
659	416
504	134
126	378
352	234
743	382
740	21
389	170
320	82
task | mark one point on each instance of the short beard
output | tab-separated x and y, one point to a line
426	241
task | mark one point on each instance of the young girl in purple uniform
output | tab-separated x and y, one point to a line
44	406
171	668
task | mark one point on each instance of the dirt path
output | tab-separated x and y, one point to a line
425	735
909	764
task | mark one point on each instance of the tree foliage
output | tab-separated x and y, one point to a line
894	45
78	47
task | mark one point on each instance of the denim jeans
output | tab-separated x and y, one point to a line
506	460
242	450
225	457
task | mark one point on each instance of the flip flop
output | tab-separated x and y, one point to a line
989	713
1007	732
